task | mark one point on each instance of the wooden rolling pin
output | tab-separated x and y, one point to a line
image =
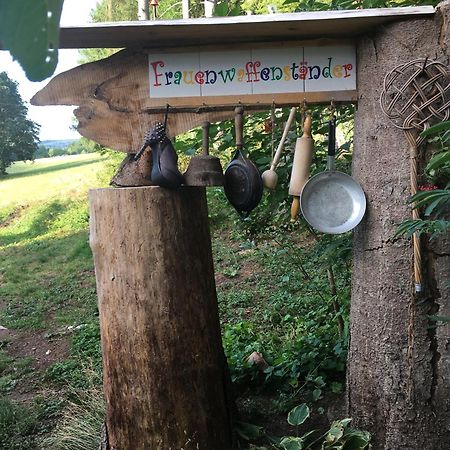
304	150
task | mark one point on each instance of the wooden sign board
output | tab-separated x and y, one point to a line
252	72
120	97
250	75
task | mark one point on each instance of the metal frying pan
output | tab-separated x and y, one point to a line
332	202
243	183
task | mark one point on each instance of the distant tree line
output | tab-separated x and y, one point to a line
18	135
79	147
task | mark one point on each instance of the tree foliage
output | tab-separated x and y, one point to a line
18	135
29	29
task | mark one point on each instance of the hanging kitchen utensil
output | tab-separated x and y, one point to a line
204	170
414	95
270	177
243	184
304	150
165	171
332	202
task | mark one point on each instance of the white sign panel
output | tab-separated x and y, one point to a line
252	71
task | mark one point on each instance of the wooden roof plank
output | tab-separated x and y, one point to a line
236	29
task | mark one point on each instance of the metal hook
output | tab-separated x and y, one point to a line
332	108
303	114
166	117
303	107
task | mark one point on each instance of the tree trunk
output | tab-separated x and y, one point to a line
398	382
165	373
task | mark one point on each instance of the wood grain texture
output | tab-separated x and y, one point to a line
164	368
112	99
236	29
134	173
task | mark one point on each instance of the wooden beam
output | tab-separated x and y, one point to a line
237	29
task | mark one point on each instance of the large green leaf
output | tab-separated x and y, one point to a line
291	443
29	29
298	415
432	199
435	129
337	430
357	440
430	208
439	160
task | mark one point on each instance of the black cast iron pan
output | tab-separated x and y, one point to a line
243	183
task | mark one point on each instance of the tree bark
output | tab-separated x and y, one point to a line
398	379
165	373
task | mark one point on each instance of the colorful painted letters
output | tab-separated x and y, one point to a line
253	71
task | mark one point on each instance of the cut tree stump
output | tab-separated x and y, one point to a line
165	374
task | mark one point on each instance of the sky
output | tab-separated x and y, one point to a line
55	121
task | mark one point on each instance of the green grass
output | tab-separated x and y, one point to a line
44	179
24	427
79	428
46	273
11	370
46	282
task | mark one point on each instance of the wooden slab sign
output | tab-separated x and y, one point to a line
120	97
250	72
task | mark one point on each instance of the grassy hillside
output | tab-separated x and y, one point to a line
49	178
273	291
43	220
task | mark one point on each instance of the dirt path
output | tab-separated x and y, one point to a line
40	351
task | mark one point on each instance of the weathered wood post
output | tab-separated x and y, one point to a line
164	367
398	378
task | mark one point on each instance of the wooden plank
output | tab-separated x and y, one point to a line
218	46
257	101
239	29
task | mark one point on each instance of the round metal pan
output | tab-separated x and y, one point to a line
332	202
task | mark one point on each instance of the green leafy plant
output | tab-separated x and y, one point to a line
21	426
17	426
340	436
434	200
